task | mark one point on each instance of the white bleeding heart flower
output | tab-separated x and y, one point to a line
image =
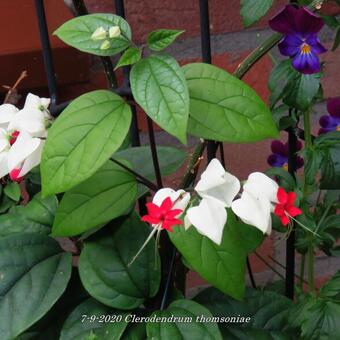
24	155
4	149
261	196
99	34
217	188
209	218
254	210
114	32
7	113
260	184
218	184
33	118
180	198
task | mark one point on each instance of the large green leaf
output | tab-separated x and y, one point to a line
36	216
88	322
158	85
170	159
103	197
330	169
105	272
224	108
82	139
160	39
187	327
77	32
34	274
254	10
267	312
221	265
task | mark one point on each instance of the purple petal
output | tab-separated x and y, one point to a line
284	21
296	20
298	145
324	130
329	122
315	44
306	63
307	22
290	45
278	148
277	160
333	106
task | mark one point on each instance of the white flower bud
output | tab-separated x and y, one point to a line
99	34
114	32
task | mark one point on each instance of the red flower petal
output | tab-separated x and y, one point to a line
150	219
173	213
154	210
282	196
294	211
166	205
291	198
284	220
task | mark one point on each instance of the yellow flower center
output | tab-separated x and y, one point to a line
285	166
305	48
338	128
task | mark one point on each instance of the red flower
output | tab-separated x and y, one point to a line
285	208
164	215
14	175
14	137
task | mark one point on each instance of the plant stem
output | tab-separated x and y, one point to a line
257	54
310	259
302	270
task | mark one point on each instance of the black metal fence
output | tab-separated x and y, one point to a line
168	260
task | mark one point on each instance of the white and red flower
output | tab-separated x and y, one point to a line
261	196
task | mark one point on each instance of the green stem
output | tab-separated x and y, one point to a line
257	54
302	270
310	259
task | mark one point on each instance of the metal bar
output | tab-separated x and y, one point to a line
290	244
47	53
206	58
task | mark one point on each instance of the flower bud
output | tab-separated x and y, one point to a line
105	45
114	32
99	34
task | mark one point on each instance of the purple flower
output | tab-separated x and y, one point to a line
279	157
331	122
300	42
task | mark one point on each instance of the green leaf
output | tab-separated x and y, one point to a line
266	311
330	169
103	197
135	331
160	39
336	42
82	139
331	288
301	90
77	33
284	178
34	274
185	330
223	266
170	159
224	108
280	75
104	269
37	216
129	57
80	326
253	10
12	190
321	321
158	85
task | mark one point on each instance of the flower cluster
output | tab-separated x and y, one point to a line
217	190
105	34
300	42
22	136
331	122
279	156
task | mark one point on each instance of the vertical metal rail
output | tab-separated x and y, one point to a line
290	244
206	57
47	54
